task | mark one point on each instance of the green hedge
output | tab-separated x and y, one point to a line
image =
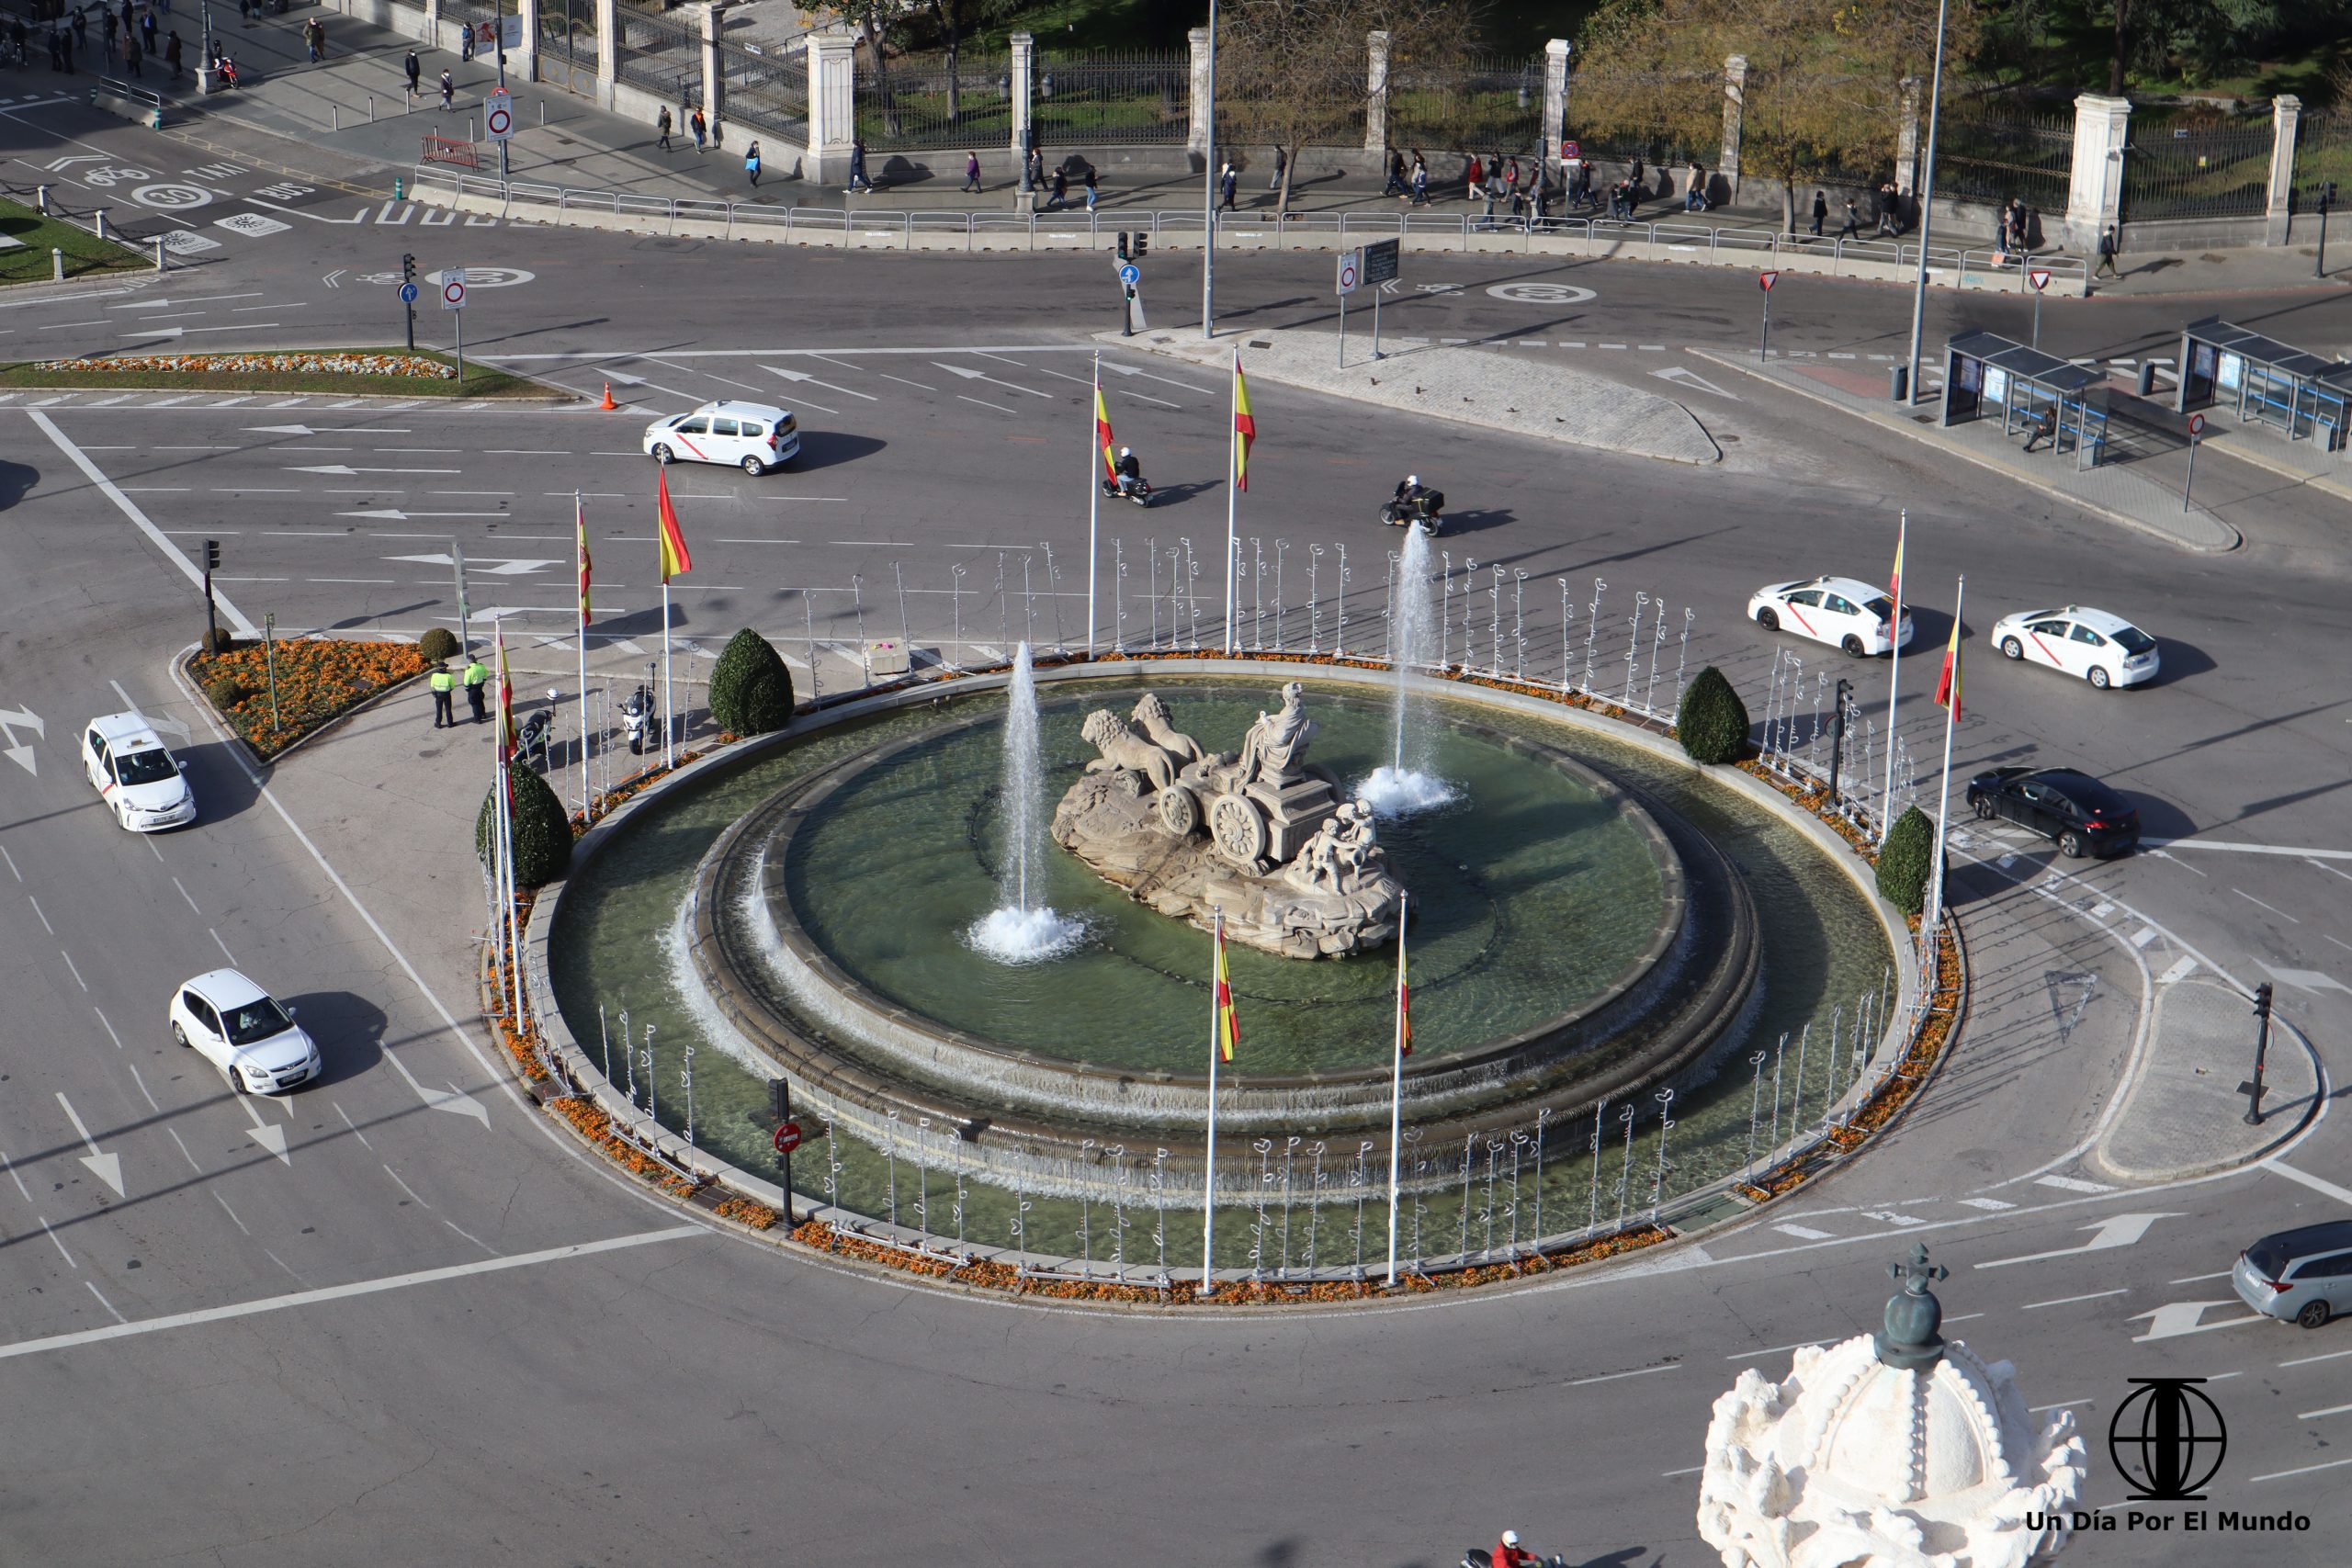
751	691
1712	722
542	829
437	644
1907	860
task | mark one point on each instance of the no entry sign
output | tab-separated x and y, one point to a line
788	1137
2196	424
498	115
452	288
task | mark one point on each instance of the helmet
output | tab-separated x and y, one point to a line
1510	1537
1126	451
1414	480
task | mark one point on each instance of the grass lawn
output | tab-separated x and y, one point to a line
27	261
269	371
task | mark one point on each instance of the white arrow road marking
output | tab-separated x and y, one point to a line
455	1100
281	430
21	755
155	331
78	158
334	279
268	1134
492	565
394	514
2117	1230
1680	377
169	726
804	376
984	375
345	470
2176	1318
1119	369
105	1167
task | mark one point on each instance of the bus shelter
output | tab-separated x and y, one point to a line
1988	376
2263	381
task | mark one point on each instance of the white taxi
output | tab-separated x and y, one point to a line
244	1031
1840	611
754	437
140	780
2105	649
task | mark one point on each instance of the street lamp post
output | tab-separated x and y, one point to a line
1926	196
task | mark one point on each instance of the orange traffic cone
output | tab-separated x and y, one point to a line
608	406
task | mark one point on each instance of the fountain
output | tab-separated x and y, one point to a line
1405	783
1021	929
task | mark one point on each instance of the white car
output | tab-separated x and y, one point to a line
754	437
1840	611
2106	650
236	1026
140	782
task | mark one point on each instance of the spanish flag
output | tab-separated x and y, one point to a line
1244	428
1228	1028
1894	583
1102	437
675	556
1948	683
1404	1000
579	523
505	690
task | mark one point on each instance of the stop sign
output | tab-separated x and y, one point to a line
788	1137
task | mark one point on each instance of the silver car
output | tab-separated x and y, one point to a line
2304	1275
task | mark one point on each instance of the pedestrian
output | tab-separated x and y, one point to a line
1282	161
415	72
171	53
448	91
1853	227
1224	184
477	683
2107	253
310	30
1420	181
1510	183
1396	186
108	17
132	53
1694	196
1888	225
466	42
660	123
752	162
718	133
1091	191
1059	197
857	180
1033	171
1474	177
2045	428
146	32
445	687
700	127
1820	212
972	172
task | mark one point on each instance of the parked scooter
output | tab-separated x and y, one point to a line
637	717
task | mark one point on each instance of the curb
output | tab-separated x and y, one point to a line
2098	1154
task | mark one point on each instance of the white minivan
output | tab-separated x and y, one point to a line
754	437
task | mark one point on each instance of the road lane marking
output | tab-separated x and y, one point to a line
2178	970
14	1177
109	1028
2070	1184
2303	1469
105	1303
410	1190
2200	1279
2314	1183
1612	1377
44	919
2260	905
1691	1470
61	1246
2315	1414
2069	1301
999	407
76	972
2144	936
223	946
1990	1205
231	1213
2067	1404
347	1122
1803	1232
1775	1350
2246	848
2307	1360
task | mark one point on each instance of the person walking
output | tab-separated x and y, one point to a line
310	38
1474	177
172	52
751	163
1059	196
662	124
132	53
1820	212
1396	186
146	32
857	180
2107	254
445	690
1694	196
1091	190
718	133
466	42
1854	225
972	172
1224	185
415	74
1282	161
700	127
1420	182
448	91
1888	201
477	687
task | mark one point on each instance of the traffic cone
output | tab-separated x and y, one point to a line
608	406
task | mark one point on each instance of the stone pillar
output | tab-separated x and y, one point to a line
832	106
523	61
608	41
1200	140
2286	110
1375	96
1906	135
2095	189
1024	76
432	25
1734	101
714	74
1556	102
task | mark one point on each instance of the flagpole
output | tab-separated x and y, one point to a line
580	536
1894	668
1943	805
1209	1166
1397	1095
506	819
669	715
1093	504
1232	470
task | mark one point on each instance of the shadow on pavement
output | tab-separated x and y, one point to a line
348	1030
223	789
17	480
825	448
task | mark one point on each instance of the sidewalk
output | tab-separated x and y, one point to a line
2184	1111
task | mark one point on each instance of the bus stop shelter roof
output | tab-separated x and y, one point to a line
2027	364
2282	356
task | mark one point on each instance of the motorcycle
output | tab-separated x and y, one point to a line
636	714
1138	490
1479	1557
1424	512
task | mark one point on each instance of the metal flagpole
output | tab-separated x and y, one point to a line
580	534
669	713
465	627
1397	1094
1943	804
1893	668
1093	498
1208	1165
1232	470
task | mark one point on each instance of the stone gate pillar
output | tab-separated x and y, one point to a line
608	42
1556	102
1906	135
714	74
832	106
1735	103
1024	80
1200	140
2286	112
1375	98
2095	188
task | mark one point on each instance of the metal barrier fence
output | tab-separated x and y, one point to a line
1107	99
659	53
1988	152
767	91
2196	172
1494	103
923	101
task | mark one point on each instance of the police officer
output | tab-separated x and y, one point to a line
445	686
477	682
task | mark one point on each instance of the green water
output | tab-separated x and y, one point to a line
1821	950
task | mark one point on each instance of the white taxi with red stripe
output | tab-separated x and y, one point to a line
140	782
1840	611
754	437
2105	649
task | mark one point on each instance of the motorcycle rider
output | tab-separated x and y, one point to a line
1130	470
1508	1553
1409	495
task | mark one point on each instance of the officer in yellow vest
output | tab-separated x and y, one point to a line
477	682
444	686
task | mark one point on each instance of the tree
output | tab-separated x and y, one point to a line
1295	73
1824	84
542	830
751	691
1905	860
1712	721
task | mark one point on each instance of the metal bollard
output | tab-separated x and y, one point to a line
2146	385
41	199
1898	382
543	114
334	113
371	108
102	222
56	265
159	252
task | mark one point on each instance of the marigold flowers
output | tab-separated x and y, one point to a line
415	365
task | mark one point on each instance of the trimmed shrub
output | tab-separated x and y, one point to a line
1907	861
1712	721
751	691
438	644
226	692
542	830
218	640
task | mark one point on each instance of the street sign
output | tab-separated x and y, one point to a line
498	115
452	288
1380	261
1569	150
788	1137
2040	278
2196	424
1129	273
408	293
1765	280
1351	271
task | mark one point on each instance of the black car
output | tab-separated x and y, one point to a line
2081	814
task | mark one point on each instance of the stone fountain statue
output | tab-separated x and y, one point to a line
1295	868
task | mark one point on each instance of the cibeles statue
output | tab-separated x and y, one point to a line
1261	835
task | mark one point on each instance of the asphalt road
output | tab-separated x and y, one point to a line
405	1356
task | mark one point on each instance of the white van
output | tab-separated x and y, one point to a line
754	437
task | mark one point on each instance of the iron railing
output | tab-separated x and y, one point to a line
768	91
657	54
1102	99
568	44
2180	170
923	101
2323	152
1493	103
1991	153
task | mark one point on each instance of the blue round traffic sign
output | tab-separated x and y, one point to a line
408	293
1129	273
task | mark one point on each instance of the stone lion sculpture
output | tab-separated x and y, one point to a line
1123	749
1151	716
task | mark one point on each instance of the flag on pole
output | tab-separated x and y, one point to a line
1948	683
1102	437
1403	1002
1228	1028
675	557
1894	583
505	691
1245	427
579	523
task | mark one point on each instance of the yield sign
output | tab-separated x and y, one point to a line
1765	280
2040	278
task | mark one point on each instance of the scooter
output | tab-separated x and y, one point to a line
1423	512
1138	490
637	713
1479	1557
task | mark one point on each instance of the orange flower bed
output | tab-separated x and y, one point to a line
596	1127
319	678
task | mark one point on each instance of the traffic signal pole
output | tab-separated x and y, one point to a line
2252	1086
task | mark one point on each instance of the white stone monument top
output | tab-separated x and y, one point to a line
1897	1449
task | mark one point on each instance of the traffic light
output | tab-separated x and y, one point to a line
408	267
212	554
1142	245
2262	999
1123	244
2327	195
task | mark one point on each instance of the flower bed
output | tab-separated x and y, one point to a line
389	372
416	366
319	680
